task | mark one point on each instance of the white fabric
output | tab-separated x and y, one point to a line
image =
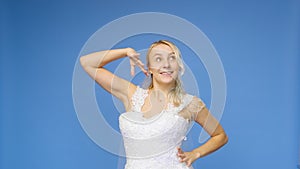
150	143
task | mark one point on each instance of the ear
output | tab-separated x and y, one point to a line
149	70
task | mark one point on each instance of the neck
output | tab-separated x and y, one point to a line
164	88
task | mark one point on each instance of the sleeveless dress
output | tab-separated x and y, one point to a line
150	143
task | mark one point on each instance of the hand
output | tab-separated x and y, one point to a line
135	61
187	157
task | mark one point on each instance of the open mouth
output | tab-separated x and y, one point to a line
166	73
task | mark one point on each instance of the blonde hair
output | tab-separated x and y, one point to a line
175	94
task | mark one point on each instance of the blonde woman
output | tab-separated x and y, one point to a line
158	117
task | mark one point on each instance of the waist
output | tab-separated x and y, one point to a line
167	160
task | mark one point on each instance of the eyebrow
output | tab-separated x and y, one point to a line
160	53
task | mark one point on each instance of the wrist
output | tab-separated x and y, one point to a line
197	154
129	51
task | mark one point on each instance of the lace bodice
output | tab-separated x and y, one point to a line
151	142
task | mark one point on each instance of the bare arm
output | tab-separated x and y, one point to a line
94	64
218	136
214	129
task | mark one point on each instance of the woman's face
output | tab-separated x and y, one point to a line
163	64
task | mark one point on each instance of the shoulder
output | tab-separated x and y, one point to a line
139	91
130	91
137	97
195	103
198	100
193	98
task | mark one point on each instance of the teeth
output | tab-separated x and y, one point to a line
168	73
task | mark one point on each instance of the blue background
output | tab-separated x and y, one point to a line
258	42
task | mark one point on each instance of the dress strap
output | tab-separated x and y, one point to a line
138	98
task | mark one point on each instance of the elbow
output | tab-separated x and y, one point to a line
225	138
82	61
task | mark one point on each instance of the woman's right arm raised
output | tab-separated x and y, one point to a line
94	64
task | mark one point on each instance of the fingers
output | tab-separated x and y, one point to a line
184	157
180	153
142	66
135	61
188	163
187	160
132	70
180	150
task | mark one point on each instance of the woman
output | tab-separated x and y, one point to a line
157	118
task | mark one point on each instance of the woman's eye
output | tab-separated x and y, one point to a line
172	57
158	59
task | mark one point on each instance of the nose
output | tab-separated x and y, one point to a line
166	64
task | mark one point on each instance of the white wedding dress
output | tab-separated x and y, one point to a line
150	143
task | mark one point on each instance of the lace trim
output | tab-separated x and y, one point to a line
138	98
140	95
